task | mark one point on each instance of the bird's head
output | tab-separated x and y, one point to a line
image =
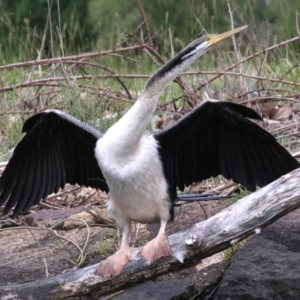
188	55
204	43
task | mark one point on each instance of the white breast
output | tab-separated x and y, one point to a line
138	189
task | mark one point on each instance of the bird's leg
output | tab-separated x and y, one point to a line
114	264
159	246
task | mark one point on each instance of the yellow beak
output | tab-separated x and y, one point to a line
216	38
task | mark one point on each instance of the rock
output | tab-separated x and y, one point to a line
165	290
205	276
267	267
49	217
90	218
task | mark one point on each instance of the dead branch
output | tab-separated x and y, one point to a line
257	77
118	76
217	74
219	232
58	60
237	55
268	92
145	21
54	81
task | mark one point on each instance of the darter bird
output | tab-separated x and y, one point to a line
141	172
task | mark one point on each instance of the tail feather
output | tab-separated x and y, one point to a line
200	197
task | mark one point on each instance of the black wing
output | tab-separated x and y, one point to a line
217	138
57	149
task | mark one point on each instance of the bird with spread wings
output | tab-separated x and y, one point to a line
141	172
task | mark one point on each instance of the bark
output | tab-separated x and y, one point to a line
244	218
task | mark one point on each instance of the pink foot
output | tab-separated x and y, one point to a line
157	248
114	264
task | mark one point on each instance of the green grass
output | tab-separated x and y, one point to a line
239	194
230	252
103	248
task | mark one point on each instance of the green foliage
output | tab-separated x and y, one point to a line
28	24
271	20
112	233
101	24
240	194
103	248
229	252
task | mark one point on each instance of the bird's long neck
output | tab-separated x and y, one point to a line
130	128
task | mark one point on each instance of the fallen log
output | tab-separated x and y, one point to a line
242	219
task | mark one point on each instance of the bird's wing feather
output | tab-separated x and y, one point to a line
217	138
57	149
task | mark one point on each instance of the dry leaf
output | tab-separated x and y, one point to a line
283	113
276	112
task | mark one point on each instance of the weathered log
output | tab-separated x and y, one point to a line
219	232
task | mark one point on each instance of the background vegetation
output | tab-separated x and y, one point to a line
90	24
38	30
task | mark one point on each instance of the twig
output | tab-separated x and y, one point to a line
295	65
118	78
63	193
86	199
46	266
289	126
54	81
57	60
233	37
221	73
267	90
205	214
80	258
103	220
45	81
44	204
145	19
